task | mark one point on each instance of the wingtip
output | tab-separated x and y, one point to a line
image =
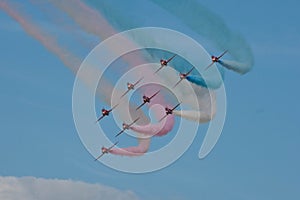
117	136
162	118
176	84
207	67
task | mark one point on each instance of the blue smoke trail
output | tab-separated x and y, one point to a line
198	80
117	14
206	23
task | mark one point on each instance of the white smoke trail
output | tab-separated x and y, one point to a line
198	116
234	65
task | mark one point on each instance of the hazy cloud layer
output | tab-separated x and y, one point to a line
31	188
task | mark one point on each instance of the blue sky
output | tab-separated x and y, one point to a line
255	158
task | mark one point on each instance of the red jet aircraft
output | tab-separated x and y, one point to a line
105	150
131	86
215	59
105	112
183	76
169	111
126	126
147	99
164	63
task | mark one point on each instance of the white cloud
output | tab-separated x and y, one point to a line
31	188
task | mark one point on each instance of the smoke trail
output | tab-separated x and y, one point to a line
93	22
205	99
50	43
89	75
145	39
139	150
167	77
155	129
198	80
188	13
212	27
73	63
98	26
88	21
151	129
159	129
234	65
46	40
198	116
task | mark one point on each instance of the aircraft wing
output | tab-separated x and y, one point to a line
129	125
159	69
113	145
99	156
175	106
167	114
113	107
133	121
209	66
171	58
190	71
138	81
140	106
100	118
155	94
163	118
125	93
222	54
107	150
120	132
177	83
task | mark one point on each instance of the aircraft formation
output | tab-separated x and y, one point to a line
146	99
